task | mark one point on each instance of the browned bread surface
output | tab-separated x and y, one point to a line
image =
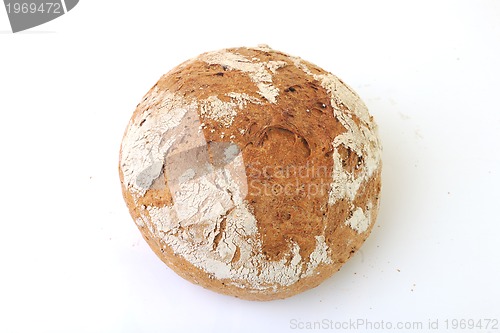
251	172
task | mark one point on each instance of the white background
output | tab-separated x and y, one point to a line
71	258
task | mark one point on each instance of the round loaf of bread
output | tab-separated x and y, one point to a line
251	172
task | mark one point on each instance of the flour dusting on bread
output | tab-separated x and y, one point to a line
187	174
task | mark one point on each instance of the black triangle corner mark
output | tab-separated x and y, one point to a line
70	4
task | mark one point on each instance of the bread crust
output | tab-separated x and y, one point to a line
251	172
